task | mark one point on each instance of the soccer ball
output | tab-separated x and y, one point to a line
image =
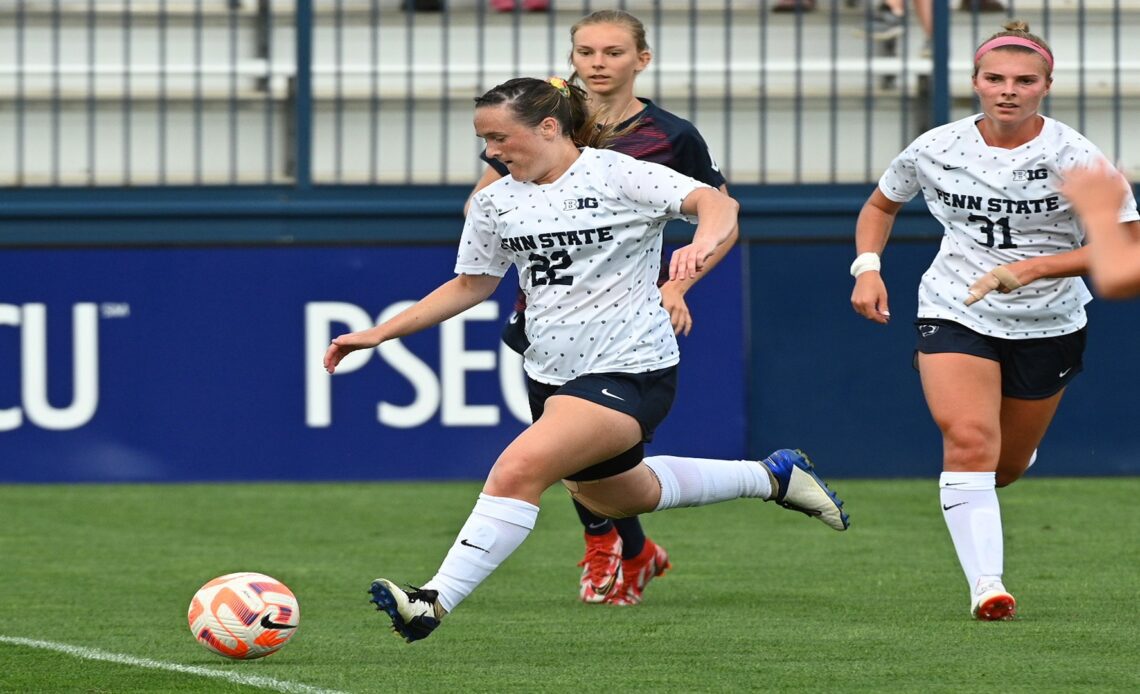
244	615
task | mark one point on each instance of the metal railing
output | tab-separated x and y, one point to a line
206	92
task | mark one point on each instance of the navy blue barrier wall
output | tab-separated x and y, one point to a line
843	388
206	357
173	364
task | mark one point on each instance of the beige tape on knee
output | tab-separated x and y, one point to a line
599	508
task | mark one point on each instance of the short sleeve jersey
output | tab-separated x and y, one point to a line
997	206
666	138
588	250
654	134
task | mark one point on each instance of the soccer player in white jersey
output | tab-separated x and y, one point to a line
608	51
1096	193
583	228
1001	319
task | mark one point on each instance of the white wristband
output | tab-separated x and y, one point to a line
865	261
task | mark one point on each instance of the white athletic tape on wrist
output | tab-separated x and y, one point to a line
863	263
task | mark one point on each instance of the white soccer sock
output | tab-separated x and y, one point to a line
701	481
970	508
496	527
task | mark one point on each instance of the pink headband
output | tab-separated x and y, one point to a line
1013	41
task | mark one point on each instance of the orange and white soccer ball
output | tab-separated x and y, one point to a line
244	615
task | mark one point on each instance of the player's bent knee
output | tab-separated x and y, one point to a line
605	508
515	481
1006	479
1008	473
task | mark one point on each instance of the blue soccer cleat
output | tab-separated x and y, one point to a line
800	489
413	614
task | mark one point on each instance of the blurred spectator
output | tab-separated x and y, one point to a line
793	5
965	6
497	5
528	5
982	6
890	21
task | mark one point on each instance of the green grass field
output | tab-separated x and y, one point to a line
759	598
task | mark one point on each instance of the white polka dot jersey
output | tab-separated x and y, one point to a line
588	250
997	206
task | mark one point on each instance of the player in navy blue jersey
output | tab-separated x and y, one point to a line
608	51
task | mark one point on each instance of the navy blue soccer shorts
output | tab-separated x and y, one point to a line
647	397
1031	369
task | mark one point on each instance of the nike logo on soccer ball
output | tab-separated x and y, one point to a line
947	508
268	623
465	543
1062	374
949	168
606	392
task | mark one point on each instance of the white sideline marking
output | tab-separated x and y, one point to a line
234	677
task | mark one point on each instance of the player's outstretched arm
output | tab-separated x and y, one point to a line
716	221
449	299
1098	193
1011	276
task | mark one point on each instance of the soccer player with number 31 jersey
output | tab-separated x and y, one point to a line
1001	317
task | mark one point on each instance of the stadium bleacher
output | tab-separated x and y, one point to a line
155	91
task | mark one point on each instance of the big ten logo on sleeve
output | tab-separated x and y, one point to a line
31	340
444	393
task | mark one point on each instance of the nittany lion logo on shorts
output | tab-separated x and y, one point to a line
579	204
